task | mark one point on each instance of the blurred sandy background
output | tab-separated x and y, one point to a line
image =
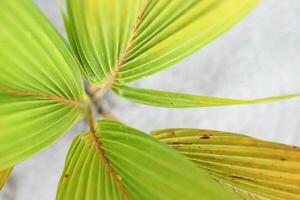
257	58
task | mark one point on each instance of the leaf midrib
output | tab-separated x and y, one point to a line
68	102
124	55
105	160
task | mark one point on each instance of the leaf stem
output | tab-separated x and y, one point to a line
91	119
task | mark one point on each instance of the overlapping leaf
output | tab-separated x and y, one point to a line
118	162
127	40
41	93
253	168
4	175
177	100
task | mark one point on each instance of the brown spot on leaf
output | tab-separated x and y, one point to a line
177	143
205	137
282	159
66	175
173	133
241	178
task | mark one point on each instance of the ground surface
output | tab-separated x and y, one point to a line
259	57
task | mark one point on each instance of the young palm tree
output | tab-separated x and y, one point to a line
113	43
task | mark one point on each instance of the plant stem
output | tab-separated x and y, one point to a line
96	94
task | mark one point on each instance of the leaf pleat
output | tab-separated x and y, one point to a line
178	100
119	162
253	168
41	92
123	41
4	175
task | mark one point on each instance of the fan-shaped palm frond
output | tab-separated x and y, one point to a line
41	93
119	162
123	41
253	168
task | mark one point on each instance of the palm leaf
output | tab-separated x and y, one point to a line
177	100
4	175
123	41
253	168
119	162
41	93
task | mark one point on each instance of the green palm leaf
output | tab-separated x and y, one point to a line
177	100
119	162
41	93
253	168
4	175
123	41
